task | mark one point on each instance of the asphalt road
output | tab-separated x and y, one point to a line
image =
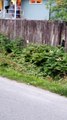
23	102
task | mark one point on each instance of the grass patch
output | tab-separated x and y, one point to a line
53	86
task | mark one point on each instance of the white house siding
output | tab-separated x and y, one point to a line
35	11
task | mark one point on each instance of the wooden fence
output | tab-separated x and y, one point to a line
42	32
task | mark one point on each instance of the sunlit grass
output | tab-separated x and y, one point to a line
53	86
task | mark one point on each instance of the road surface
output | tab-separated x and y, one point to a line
23	102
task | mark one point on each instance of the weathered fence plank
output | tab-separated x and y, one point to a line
66	36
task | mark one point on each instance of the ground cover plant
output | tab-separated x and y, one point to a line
39	65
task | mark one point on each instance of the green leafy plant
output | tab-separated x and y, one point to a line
51	61
39	65
9	46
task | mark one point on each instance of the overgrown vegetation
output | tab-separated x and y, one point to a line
51	61
57	9
39	65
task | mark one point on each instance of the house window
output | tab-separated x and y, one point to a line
35	1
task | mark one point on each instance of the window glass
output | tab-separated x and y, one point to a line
39	1
32	1
35	1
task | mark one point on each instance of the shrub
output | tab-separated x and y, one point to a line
17	45
4	41
9	46
52	61
41	60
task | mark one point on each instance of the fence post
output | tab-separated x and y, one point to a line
66	36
